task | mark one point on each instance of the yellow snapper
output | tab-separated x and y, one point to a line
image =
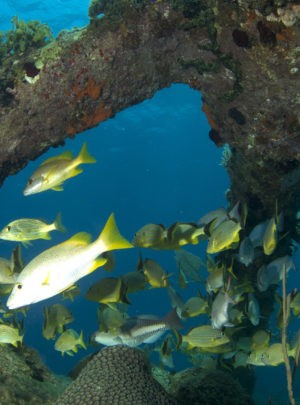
269	356
260	339
274	355
194	306
155	274
60	266
205	336
10	268
107	290
9	334
134	281
7	276
55	170
68	342
225	236
26	229
150	235
6	289
183	233
110	319
295	304
56	317
71	292
270	237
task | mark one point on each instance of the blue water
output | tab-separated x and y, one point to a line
155	164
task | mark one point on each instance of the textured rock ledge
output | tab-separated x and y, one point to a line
243	56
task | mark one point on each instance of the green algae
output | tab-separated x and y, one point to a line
23	37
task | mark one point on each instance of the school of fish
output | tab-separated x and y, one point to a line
223	320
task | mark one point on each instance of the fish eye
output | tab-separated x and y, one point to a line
19	286
8	227
29	181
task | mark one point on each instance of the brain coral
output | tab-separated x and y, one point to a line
116	375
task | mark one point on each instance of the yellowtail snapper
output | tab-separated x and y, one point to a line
54	171
60	266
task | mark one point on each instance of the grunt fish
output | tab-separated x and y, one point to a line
60	266
205	336
68	342
54	171
26	229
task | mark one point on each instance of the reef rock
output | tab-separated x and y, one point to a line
242	55
25	380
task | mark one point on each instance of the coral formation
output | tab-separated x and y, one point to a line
116	375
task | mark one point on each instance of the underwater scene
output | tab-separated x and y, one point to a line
124	236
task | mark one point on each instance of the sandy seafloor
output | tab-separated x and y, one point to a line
155	164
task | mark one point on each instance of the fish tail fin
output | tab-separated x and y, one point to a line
172	320
111	238
58	224
84	156
81	341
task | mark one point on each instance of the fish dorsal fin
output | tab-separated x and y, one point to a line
80	238
65	155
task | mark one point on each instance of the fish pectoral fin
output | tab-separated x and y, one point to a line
47	279
57	188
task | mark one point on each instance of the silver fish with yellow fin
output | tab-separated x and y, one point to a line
27	229
219	310
54	171
60	266
136	331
